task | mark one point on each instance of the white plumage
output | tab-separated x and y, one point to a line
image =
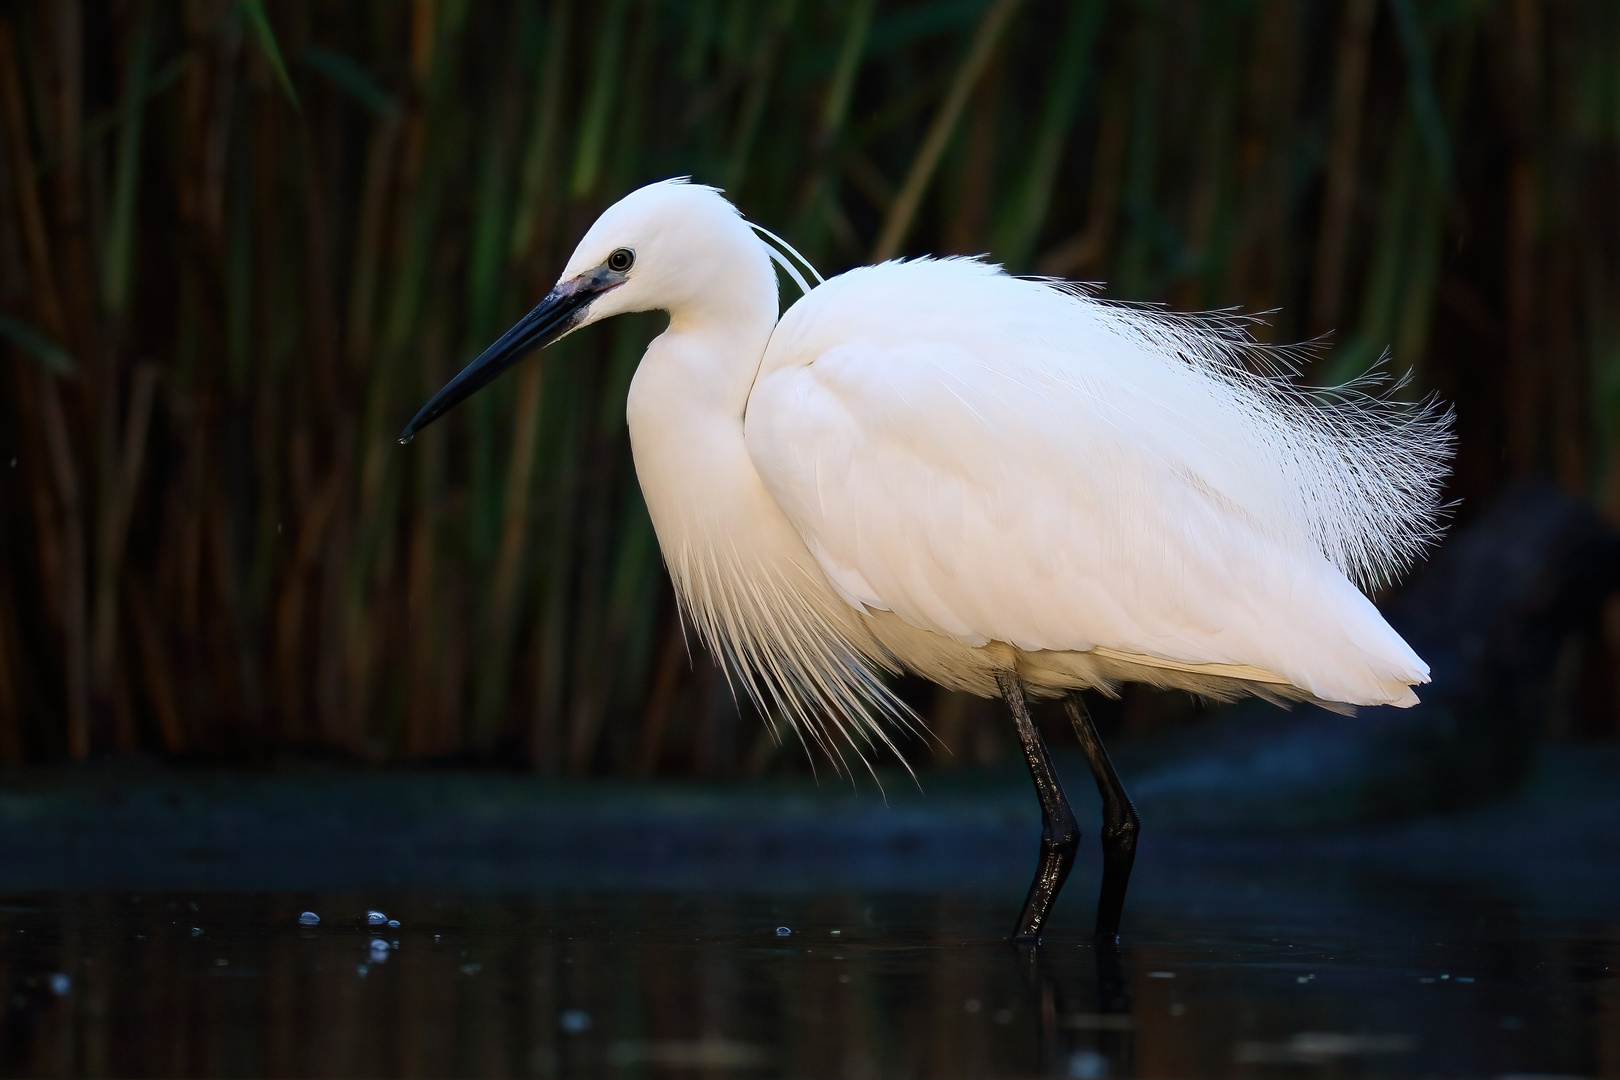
932	466
995	460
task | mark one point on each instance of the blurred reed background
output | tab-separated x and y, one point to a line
241	241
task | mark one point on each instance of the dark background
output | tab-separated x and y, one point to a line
241	242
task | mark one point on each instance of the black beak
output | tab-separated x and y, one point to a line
551	318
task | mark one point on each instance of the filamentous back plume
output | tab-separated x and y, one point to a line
1366	467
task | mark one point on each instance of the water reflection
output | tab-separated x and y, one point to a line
685	983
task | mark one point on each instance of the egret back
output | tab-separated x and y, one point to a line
997	459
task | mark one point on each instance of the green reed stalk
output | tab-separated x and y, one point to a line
605	74
1027	210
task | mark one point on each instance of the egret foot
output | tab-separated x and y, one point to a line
1060	833
1120	822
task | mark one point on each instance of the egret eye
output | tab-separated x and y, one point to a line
621	260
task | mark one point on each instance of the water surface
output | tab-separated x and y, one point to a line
1485	944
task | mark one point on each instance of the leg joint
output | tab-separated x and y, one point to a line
1063	835
1122	835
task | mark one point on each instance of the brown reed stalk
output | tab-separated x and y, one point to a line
903	212
63	523
1211	224
1351	62
973	178
1083	251
119	467
1261	249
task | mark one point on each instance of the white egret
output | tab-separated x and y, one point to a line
1003	485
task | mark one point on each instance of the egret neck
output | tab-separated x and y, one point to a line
688	400
745	577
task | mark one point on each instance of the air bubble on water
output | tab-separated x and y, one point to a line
782	931
379	950
574	1021
361	970
393	924
309	918
1087	1065
61	983
196	931
375	918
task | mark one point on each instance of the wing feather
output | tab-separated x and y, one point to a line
993	459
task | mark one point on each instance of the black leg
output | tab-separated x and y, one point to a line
1120	823
1060	834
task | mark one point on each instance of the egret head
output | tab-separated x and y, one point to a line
668	246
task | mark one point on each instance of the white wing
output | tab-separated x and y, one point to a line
995	460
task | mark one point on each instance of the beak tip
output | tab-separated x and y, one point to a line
551	319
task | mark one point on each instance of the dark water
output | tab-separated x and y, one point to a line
1481	945
611	984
